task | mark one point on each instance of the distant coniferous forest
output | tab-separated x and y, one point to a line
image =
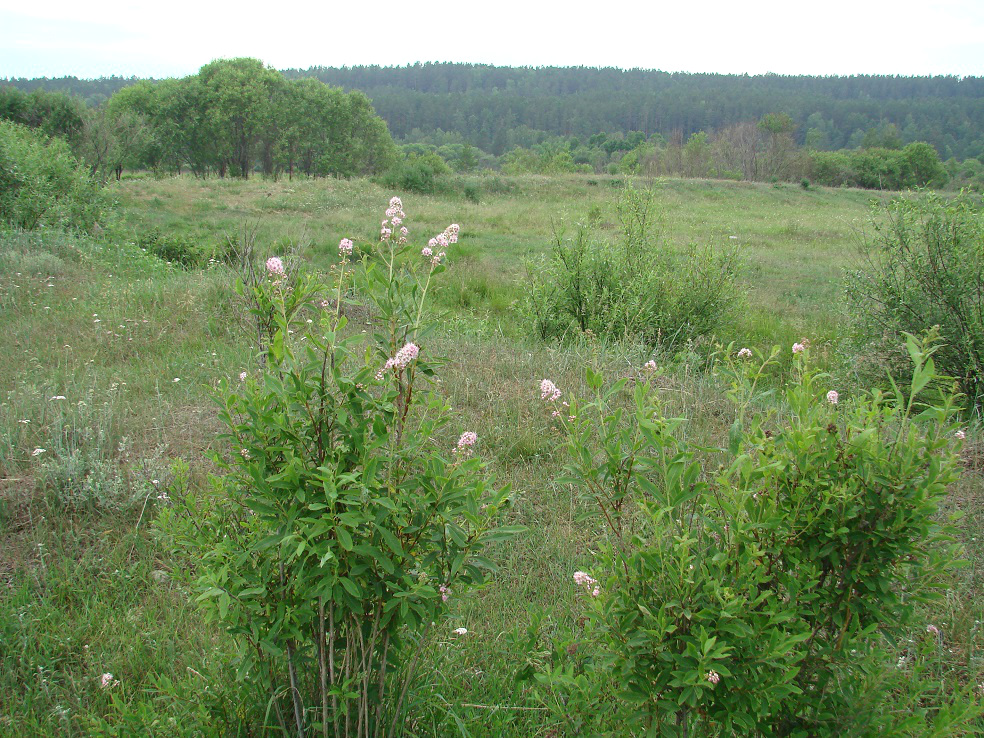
866	131
498	108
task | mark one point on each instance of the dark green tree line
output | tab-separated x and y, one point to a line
497	108
234	117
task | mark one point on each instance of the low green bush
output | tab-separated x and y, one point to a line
43	184
634	288
738	594
423	174
189	250
922	265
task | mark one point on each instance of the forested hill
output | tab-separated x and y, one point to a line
497	108
494	107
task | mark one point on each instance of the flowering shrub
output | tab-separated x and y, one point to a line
342	528
729	598
634	288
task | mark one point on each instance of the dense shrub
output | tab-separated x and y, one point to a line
917	165
347	520
736	596
42	184
424	174
189	250
635	288
922	265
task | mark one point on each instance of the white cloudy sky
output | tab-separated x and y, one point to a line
103	37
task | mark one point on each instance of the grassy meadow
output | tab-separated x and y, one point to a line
108	355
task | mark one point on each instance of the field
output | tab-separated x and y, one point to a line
108	356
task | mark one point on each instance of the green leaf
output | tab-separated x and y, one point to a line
594	379
349	586
344	538
392	542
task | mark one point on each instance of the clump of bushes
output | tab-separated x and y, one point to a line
417	173
746	594
916	165
633	287
188	250
43	184
922	265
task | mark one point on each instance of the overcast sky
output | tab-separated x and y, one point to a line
103	37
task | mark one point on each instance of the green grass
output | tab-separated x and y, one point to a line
90	589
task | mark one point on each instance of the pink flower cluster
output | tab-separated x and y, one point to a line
465	443
441	241
933	630
650	366
549	391
275	267
713	677
960	435
445	591
345	247
745	353
799	348
394	219
402	360
583	579
833	397
108	681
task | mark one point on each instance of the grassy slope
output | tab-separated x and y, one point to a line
81	597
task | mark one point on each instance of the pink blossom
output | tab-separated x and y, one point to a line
650	366
798	348
108	681
833	397
325	304
275	267
445	591
584	579
395	211
713	677
960	435
426	252
403	357
745	353
467	440
933	630
242	376
549	391
596	591
345	247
